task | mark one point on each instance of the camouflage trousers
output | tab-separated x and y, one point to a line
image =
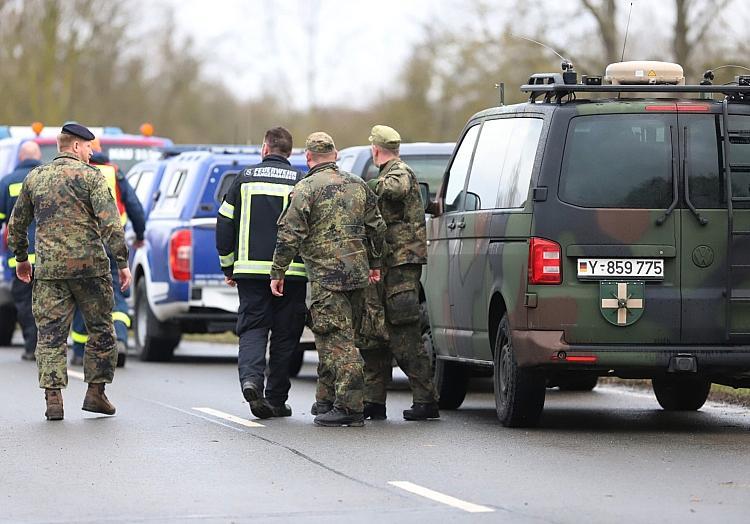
401	295
335	318
53	304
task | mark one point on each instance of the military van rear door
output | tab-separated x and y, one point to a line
611	196
715	223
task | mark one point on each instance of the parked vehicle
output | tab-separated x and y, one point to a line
179	285
578	237
123	149
428	160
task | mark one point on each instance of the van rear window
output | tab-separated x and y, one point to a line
618	161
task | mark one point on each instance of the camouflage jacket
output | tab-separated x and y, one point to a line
401	205
333	222
75	215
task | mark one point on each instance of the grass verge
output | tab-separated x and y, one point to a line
218	338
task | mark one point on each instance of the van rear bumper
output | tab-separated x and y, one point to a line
548	349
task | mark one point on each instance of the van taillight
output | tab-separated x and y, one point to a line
180	254
545	262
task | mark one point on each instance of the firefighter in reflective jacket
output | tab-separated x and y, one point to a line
245	239
130	209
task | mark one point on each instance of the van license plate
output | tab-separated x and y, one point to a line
595	268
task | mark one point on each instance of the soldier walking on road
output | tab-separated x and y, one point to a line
245	240
400	204
75	217
29	157
333	222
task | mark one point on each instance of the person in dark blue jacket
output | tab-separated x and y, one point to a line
131	209
29	157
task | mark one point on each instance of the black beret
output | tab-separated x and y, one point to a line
78	130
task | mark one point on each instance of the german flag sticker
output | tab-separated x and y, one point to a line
583	267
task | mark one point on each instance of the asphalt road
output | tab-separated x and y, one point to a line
184	448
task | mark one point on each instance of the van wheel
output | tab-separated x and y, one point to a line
451	379
681	393
519	392
154	340
7	324
578	382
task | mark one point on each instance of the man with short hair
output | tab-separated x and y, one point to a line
29	157
245	239
75	217
401	205
333	222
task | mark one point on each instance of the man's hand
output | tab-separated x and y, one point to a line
23	271
374	276
277	287
125	279
229	281
138	244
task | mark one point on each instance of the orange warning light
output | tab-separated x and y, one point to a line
147	129
37	127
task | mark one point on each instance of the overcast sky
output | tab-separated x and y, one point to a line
340	41
353	48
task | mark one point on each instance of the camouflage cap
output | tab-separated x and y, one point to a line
319	142
385	136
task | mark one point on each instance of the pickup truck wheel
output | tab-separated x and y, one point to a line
154	340
7	324
680	392
519	392
451	379
578	382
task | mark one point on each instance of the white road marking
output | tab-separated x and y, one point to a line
230	418
439	497
75	374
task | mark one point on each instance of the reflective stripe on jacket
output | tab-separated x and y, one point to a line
246	223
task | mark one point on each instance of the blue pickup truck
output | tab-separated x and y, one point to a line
179	286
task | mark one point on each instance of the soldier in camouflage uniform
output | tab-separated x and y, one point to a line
75	215
401	205
333	222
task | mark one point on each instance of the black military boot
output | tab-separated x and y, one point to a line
420	411
54	400
251	391
338	418
284	410
96	401
375	411
320	407
261	408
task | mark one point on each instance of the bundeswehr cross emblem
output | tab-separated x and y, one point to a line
621	303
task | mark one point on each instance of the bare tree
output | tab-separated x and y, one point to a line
693	20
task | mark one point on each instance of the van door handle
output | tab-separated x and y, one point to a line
452	225
461	225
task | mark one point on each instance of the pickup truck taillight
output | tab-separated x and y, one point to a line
545	261
180	254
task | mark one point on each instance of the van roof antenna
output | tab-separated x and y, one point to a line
627	30
566	64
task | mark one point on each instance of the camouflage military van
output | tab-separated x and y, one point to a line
586	234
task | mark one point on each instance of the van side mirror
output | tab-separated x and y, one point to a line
424	192
472	202
430	207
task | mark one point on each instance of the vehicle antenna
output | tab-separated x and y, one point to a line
567	64
627	30
708	76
